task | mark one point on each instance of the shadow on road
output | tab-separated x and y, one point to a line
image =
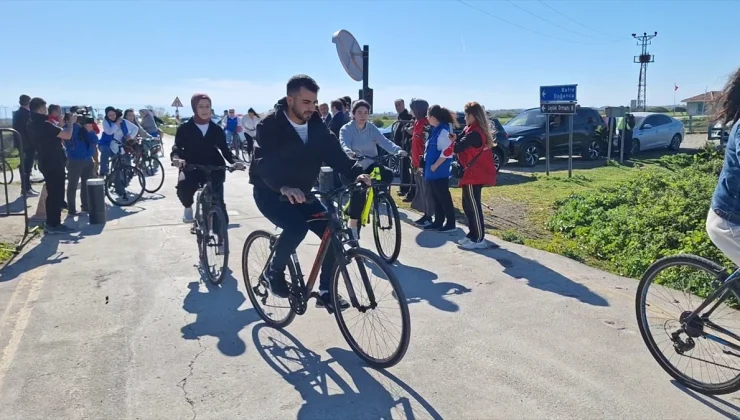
536	274
218	315
43	253
419	285
724	408
325	392
116	212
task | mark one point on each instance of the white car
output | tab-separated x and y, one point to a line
656	131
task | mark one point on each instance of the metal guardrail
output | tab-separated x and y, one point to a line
7	213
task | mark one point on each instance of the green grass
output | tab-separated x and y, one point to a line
14	162
169	130
7	250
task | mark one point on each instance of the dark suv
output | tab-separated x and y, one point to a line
527	135
500	152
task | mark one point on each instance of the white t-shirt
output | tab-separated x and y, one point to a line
301	129
203	128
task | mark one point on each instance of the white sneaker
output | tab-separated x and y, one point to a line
187	215
464	241
475	245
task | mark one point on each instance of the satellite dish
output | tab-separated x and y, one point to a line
350	53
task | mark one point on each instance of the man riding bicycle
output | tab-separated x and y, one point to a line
202	142
231	127
361	138
293	143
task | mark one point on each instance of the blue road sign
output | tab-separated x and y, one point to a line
561	93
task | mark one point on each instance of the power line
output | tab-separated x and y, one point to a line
525	28
549	21
579	23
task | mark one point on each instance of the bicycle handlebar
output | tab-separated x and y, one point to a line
313	196
208	168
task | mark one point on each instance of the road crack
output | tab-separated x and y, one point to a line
184	382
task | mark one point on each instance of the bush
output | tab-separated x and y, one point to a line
659	214
378	122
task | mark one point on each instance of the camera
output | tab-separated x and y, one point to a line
83	115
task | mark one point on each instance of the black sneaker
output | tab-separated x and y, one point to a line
433	227
423	221
276	284
324	301
447	228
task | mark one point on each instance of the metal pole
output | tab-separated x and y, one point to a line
547	144
621	141
366	72
570	147
608	139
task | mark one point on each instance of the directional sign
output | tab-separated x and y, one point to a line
561	93
176	103
566	108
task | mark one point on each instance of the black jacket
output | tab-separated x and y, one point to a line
20	124
45	137
400	137
337	122
193	147
283	160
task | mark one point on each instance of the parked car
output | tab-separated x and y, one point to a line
656	131
526	133
719	132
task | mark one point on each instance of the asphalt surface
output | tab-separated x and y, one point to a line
114	322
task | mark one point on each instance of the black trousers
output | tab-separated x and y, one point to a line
29	155
358	199
187	188
406	177
250	143
54	177
444	210
473	208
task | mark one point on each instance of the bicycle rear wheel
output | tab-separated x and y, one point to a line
365	263
387	229
124	186
154	172
275	311
7	172
706	347
215	244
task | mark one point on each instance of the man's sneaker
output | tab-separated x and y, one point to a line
58	230
432	226
187	215
447	228
276	284
464	241
423	222
475	245
324	301
31	193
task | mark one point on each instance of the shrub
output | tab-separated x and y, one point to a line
378	122
632	224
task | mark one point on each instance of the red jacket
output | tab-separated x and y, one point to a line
418	141
483	170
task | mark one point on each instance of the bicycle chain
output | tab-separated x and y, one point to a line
297	301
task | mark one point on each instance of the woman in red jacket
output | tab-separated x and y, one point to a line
419	134
473	151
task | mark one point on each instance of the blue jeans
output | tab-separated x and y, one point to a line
293	219
105	155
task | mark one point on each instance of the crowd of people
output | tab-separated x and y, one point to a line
71	147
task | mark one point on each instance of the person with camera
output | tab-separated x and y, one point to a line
82	156
48	138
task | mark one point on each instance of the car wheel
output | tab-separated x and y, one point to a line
498	159
530	154
675	143
593	151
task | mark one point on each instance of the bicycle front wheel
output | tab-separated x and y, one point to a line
215	244
372	300
702	353
275	311
125	185
387	228
154	172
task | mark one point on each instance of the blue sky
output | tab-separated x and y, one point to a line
136	53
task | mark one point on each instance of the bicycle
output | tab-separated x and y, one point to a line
121	176
378	199
8	172
150	165
300	291
210	226
693	328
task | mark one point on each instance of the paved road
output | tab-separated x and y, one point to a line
114	323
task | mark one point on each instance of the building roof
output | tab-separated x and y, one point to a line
710	96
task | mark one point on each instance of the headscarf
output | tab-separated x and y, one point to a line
194	104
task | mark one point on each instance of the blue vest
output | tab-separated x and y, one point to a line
432	154
726	199
231	124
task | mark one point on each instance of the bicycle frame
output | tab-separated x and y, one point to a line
365	215
721	294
